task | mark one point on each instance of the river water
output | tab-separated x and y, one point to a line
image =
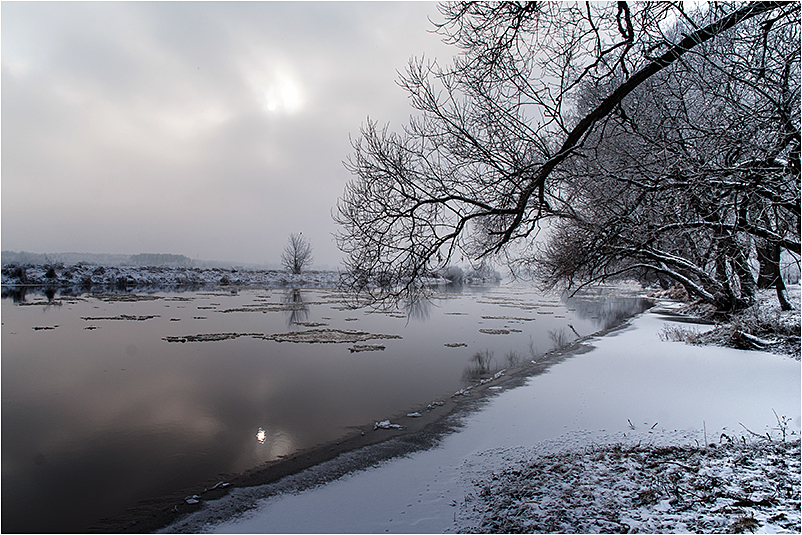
114	398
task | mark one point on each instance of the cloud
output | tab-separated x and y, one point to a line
209	129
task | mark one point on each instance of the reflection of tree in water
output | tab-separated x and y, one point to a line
297	311
560	338
482	365
604	309
17	294
418	309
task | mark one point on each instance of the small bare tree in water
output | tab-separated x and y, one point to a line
297	254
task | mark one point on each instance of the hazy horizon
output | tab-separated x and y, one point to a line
207	129
115	259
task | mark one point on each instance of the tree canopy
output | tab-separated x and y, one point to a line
586	140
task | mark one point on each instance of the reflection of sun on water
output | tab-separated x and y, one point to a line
273	444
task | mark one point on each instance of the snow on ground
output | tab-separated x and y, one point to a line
131	278
612	439
762	326
729	487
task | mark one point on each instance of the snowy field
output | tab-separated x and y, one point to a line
614	439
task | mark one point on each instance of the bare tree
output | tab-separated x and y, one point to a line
480	169
297	254
696	171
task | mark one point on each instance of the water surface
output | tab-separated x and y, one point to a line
109	399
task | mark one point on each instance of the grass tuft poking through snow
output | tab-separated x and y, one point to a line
763	326
731	487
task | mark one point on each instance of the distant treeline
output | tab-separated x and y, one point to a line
143	259
160	259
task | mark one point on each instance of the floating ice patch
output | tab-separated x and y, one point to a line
507	318
495	376
462	391
386	424
121	317
328	336
495	331
359	348
126	298
208	337
264	308
310	336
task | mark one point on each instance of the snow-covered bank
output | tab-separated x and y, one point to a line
83	277
763	326
627	387
87	277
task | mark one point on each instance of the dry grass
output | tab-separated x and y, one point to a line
762	326
677	333
733	486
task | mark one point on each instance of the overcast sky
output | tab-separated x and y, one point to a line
206	129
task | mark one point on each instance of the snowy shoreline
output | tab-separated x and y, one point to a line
89	277
92	278
499	437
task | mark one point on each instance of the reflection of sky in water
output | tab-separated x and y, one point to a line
118	403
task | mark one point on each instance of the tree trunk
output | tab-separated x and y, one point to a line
782	294
745	278
725	297
768	255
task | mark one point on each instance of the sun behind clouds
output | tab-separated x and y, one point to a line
276	88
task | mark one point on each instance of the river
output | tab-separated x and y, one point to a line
109	399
